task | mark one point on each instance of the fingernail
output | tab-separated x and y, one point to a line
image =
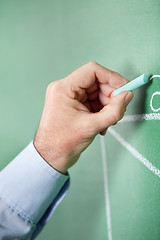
128	98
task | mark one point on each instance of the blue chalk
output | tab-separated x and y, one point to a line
136	83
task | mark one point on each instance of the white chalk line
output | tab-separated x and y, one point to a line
106	189
140	117
134	152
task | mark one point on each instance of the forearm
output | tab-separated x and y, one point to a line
29	191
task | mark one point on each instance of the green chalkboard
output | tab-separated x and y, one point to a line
115	187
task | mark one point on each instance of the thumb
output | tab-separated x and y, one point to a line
112	112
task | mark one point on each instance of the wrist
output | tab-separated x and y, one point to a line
47	154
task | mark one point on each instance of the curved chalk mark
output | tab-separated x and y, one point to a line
151	102
154	76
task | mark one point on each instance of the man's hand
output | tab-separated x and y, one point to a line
76	109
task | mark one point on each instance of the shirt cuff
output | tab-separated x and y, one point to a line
29	184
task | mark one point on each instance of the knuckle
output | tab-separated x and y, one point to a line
52	89
116	114
50	85
116	74
92	63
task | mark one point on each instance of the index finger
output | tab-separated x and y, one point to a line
87	75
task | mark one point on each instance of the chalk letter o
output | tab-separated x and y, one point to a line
151	105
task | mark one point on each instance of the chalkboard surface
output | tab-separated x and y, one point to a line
115	187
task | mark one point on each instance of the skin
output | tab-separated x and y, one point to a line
76	109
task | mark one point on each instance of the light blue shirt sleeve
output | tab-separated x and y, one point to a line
30	190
